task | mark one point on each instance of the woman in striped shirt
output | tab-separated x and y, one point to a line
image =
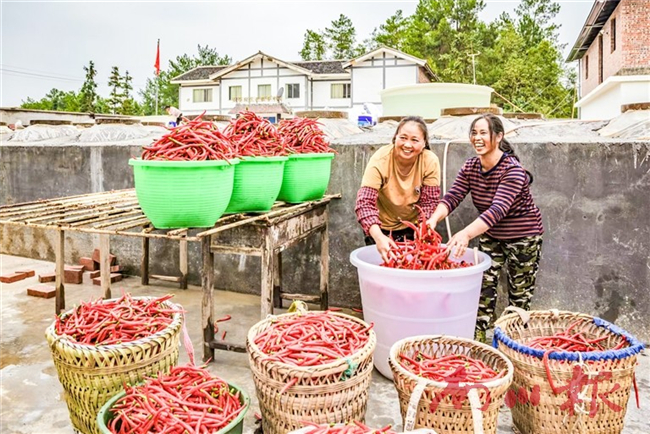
397	177
509	226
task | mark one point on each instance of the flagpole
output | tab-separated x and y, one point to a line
157	66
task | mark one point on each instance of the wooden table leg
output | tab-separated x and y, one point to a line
183	261
277	280
144	264
324	268
266	299
59	254
105	264
207	276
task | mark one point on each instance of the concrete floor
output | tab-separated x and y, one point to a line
31	396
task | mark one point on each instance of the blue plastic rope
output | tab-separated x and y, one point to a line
350	371
635	346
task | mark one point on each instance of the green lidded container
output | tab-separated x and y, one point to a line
236	426
306	177
257	184
181	194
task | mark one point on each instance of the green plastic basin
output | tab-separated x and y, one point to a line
306	177
181	194
257	184
236	426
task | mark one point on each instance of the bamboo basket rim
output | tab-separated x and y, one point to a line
177	319
254	331
440	384
500	335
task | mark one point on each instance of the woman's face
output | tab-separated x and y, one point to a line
480	137
409	142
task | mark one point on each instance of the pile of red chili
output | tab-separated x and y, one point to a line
354	427
304	136
424	252
115	321
313	338
452	368
187	400
254	136
573	341
195	140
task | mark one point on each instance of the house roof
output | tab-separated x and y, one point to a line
199	73
255	56
393	52
261	108
598	16
323	66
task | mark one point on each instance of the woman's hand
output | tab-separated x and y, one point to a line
383	242
458	243
432	222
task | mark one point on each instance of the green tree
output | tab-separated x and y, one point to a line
168	92
88	93
536	21
314	46
391	34
116	97
341	38
129	106
55	99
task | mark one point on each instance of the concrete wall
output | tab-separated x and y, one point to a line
593	196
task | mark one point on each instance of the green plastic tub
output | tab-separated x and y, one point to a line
257	184
181	194
306	177
236	426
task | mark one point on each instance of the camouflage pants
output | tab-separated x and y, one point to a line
521	260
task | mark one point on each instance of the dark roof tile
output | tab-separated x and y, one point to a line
323	66
200	73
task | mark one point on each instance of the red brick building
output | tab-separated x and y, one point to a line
613	54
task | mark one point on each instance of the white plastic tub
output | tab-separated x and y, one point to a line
428	99
405	303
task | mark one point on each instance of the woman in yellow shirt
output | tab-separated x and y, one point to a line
398	177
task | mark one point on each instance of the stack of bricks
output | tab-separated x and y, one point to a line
95	273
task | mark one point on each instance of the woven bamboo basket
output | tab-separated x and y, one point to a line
479	409
335	392
91	375
564	413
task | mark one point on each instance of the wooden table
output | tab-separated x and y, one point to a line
117	213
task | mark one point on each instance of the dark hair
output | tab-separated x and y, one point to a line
166	107
420	123
495	126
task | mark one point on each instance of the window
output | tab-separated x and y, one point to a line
586	67
234	93
612	35
293	90
264	91
341	90
202	95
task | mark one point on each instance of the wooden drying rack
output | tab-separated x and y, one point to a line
118	213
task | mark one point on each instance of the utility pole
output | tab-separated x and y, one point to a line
473	56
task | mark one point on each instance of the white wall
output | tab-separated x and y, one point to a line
188	106
607	104
377	73
322	96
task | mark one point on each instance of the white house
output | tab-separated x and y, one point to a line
262	80
613	58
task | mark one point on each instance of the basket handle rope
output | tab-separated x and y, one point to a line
523	314
477	414
411	411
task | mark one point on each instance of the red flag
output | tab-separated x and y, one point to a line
157	64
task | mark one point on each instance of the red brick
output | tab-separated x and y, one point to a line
116	269
112	259
27	273
73	275
13	277
115	277
76	267
89	264
42	278
94	274
43	291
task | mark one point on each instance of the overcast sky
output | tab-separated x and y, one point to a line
46	44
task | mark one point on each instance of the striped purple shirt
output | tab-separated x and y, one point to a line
501	195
